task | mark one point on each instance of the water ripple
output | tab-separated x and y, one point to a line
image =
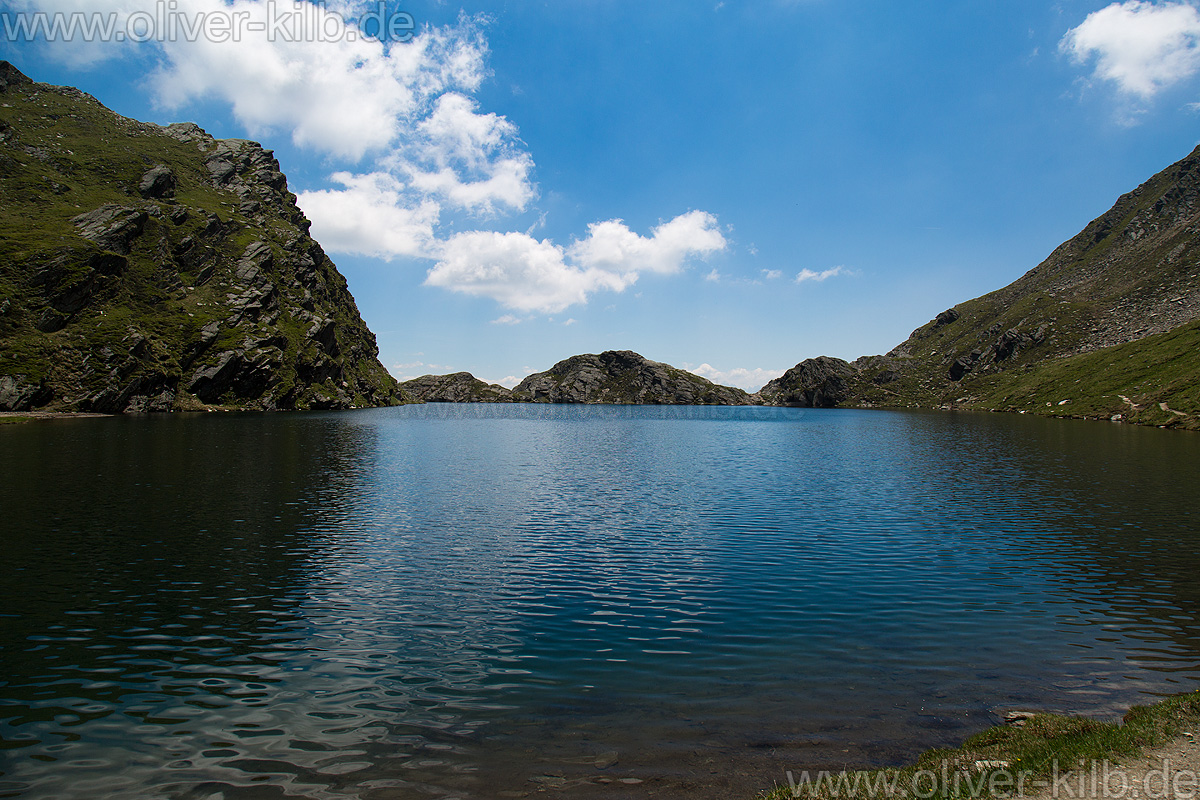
463	601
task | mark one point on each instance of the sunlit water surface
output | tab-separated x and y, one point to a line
494	601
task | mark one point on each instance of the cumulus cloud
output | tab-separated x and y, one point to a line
612	247
749	379
371	216
507	319
341	93
530	275
477	164
806	274
1140	46
406	108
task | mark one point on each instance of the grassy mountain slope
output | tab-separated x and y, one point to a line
148	268
1109	313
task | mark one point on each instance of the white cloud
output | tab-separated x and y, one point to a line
809	275
713	276
612	247
371	216
517	271
345	97
772	274
507	319
527	274
460	142
749	379
406	109
1140	46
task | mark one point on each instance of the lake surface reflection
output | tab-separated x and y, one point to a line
494	601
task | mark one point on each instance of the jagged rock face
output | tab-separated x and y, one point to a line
821	382
623	377
153	269
461	387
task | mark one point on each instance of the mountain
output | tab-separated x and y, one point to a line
820	382
461	387
1107	326
145	268
623	377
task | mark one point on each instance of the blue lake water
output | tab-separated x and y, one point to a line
499	601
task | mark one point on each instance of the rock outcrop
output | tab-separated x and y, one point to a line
623	377
151	269
460	387
821	382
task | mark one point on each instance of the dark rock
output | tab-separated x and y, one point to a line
52	320
142	393
960	367
324	333
112	227
19	393
946	317
11	76
821	382
209	384
158	184
1008	344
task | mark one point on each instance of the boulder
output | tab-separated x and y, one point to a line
158	184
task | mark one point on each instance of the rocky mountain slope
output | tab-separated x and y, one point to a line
153	269
1104	323
623	377
460	387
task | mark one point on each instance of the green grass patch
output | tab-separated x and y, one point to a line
1160	369
1007	760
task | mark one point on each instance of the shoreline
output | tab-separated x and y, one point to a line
1151	753
1193	425
31	416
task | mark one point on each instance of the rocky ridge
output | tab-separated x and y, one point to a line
459	387
820	382
151	269
623	377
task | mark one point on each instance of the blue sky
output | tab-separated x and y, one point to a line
728	186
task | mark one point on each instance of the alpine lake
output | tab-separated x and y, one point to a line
486	601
